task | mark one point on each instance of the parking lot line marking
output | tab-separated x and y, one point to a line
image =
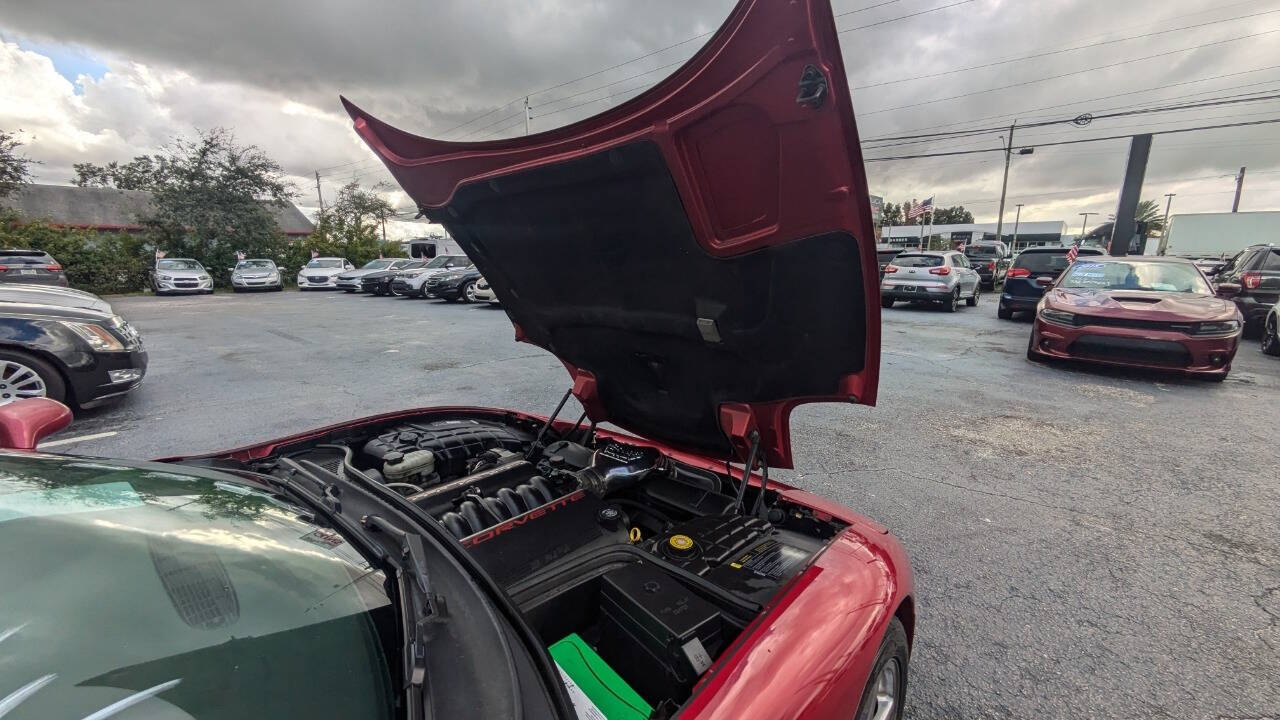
78	438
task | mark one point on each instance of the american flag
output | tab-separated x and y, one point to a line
916	211
1074	252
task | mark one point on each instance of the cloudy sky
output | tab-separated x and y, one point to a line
88	81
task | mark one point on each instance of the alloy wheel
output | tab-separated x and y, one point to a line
882	703
17	381
1271	337
470	292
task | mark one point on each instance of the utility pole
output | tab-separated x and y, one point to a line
1004	186
1016	219
1083	224
1164	226
382	214
526	115
1235	204
318	195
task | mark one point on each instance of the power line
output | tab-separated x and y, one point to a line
1060	51
1074	142
903	17
1068	74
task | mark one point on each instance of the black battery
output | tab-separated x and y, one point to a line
656	633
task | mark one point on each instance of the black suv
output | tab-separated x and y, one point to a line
991	260
30	266
1021	291
1251	280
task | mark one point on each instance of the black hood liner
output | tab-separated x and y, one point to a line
594	259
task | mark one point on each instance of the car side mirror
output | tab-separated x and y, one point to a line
24	423
1044	281
1227	290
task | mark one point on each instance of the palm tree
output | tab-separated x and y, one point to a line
1149	212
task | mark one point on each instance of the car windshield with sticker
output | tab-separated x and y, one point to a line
1136	275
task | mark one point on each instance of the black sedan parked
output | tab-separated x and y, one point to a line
36	267
65	347
1022	291
379	283
454	285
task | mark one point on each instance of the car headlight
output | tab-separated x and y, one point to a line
1226	327
1061	317
96	335
166	277
202	277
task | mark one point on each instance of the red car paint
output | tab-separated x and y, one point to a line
754	168
1146	317
808	654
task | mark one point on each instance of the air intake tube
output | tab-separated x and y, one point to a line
617	466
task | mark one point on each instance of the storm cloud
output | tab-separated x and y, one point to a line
272	73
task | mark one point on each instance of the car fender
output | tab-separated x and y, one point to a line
808	654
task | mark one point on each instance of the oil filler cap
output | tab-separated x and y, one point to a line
680	546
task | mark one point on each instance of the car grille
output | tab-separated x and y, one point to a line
1098	320
186	283
317	279
1131	350
433	282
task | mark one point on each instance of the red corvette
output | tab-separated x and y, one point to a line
1147	312
503	565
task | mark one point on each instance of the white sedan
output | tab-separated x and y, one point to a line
322	273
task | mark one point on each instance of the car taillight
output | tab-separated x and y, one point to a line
53	267
940	271
1019	272
1250	280
991	266
890	269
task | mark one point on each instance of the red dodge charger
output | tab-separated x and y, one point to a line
1146	312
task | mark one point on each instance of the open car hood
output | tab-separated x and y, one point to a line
701	258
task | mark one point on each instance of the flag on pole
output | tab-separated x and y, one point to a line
315	254
918	210
1074	252
239	255
160	254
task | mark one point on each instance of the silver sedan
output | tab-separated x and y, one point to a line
942	277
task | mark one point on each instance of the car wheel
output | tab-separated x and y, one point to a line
977	292
1271	336
952	304
886	302
468	292
1003	312
1032	355
886	688
27	376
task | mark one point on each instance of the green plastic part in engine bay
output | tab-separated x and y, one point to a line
598	693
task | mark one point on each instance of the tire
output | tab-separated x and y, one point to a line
886	302
954	303
876	695
1032	355
54	387
1003	312
1271	336
467	293
1217	378
972	301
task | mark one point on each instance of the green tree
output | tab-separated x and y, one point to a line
1149	212
955	215
14	168
144	172
892	214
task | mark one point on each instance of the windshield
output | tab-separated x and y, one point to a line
376	265
1042	262
918	261
179	265
255	265
1136	275
325	263
982	251
221	596
445	261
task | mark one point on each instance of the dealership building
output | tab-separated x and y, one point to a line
1029	234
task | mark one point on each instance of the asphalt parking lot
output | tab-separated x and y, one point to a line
1086	544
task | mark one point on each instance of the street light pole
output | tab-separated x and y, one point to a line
1016	219
1084	223
1164	226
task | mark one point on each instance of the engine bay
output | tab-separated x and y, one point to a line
636	570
